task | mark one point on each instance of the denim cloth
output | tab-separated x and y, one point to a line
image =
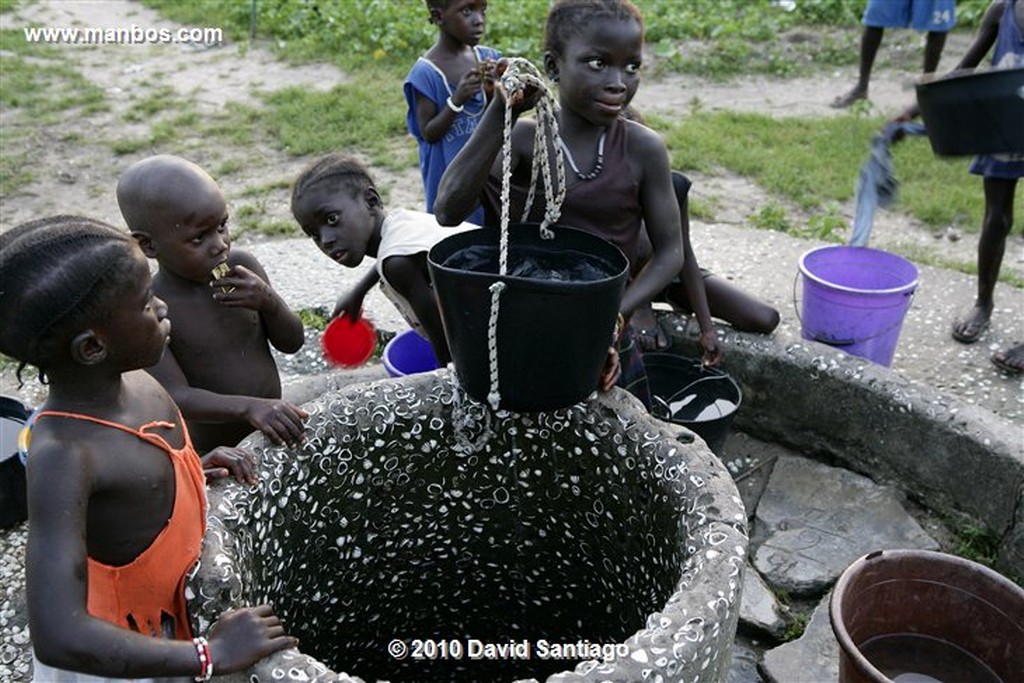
877	186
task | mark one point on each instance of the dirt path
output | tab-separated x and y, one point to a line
75	168
74	162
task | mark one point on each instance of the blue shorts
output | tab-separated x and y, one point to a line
1004	166
920	15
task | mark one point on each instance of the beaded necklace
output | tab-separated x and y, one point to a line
597	166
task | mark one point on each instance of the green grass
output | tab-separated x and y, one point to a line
157	100
41	85
362	114
314	318
39	89
15	169
815	163
714	37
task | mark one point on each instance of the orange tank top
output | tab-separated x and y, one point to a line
139	595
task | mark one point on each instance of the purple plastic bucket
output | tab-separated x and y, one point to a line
855	299
408	354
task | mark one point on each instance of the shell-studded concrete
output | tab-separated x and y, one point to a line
415	514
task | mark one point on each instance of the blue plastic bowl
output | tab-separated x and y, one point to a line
408	354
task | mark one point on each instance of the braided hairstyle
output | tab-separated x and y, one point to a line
59	274
348	173
567	18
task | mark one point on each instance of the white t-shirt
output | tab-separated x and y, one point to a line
404	233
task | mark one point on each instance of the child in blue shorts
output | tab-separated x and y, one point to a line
1002	32
937	17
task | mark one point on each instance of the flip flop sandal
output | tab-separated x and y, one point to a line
968	337
649	340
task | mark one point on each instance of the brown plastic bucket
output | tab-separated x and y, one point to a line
918	615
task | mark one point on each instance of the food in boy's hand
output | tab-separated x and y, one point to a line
220	271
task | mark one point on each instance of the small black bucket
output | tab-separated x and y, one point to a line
555	319
702	399
13	503
974	113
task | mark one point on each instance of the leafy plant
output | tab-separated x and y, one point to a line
828	225
799	619
314	318
771	217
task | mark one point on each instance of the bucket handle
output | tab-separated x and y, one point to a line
847	342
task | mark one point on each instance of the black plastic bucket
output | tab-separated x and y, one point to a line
13	502
702	399
553	334
974	113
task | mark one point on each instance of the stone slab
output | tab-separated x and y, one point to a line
815	520
811	658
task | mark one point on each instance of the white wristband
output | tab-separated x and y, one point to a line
454	107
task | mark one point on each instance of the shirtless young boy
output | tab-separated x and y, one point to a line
219	368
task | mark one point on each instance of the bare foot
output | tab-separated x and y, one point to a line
968	328
844	101
1010	361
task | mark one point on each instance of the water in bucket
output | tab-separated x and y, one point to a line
918	616
557	312
855	299
911	658
702	399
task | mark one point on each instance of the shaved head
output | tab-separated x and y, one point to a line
159	192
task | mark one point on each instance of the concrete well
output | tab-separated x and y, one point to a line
413	513
951	456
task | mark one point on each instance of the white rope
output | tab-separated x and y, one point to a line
519	74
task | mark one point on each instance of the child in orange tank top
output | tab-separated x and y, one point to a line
116	492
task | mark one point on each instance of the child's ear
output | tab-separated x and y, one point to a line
88	349
551	66
373	199
145	244
435	16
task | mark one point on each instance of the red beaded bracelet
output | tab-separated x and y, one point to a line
205	660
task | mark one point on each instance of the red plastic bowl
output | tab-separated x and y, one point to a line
348	344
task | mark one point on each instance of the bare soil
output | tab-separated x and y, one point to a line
75	169
74	161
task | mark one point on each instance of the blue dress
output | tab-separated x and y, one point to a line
1008	53
426	79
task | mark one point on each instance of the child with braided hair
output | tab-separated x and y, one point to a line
116	492
335	202
620	179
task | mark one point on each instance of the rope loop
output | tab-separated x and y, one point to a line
520	73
